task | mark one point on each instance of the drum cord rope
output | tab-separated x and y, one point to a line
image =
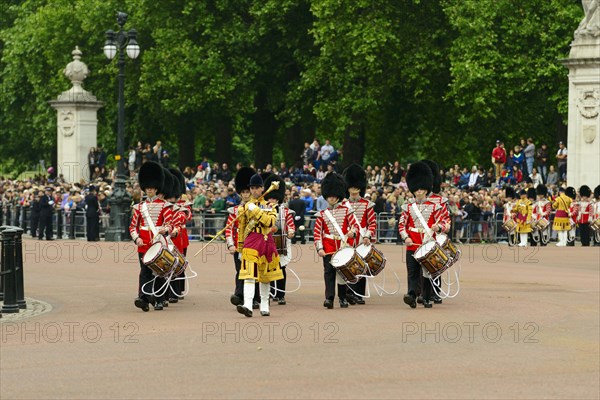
275	289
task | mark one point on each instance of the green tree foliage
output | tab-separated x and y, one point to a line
251	80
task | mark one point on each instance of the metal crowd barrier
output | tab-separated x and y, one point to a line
204	225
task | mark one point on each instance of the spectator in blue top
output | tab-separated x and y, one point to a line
307	197
232	199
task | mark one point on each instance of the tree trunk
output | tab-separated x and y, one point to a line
186	142
223	140
265	129
294	145
354	146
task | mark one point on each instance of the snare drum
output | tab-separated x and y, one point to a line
449	248
348	264
373	257
159	259
510	225
281	243
431	257
595	225
541	224
181	262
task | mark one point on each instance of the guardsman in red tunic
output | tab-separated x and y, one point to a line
541	210
283	232
156	210
362	209
331	224
584	215
444	221
420	182
242	180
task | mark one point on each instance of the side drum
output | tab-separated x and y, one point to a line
449	248
348	264
431	257
373	257
159	259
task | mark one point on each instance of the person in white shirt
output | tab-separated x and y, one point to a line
536	178
473	177
325	153
561	157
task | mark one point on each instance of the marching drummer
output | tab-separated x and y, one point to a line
419	216
584	215
522	214
356	182
333	227
541	211
153	211
561	222
507	217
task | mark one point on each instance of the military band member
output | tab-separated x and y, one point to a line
260	261
410	226
522	213
156	210
332	228
561	223
584	215
509	198
283	232
542	209
573	211
355	178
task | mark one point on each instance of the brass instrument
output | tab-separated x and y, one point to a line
274	186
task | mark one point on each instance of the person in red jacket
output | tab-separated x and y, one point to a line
151	212
420	182
356	182
584	215
333	227
499	158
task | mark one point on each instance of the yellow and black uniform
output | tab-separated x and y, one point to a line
562	223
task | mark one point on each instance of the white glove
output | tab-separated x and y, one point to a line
297	218
251	207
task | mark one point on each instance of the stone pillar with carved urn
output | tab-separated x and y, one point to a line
583	145
77	123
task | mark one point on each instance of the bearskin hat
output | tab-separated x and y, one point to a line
176	187
356	177
264	175
333	185
585	191
419	176
242	179
531	193
510	192
167	188
437	178
597	192
278	194
256	180
570	191
181	179
151	175
541	190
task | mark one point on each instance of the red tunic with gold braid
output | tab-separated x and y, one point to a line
289	220
585	210
161	214
365	216
542	209
574	211
326	237
443	218
410	225
231	230
181	215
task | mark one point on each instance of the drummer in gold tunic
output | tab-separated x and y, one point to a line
420	182
561	223
153	210
541	211
522	212
260	260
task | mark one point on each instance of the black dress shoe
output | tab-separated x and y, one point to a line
255	305
427	303
360	300
419	299
437	300
173	300
236	300
410	300
243	310
139	303
265	313
281	301
351	299
158	305
165	303
328	304
343	303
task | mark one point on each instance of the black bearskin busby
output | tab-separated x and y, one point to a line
333	185
419	176
531	193
570	191
510	192
585	191
437	178
597	192
356	177
181	179
167	188
264	175
242	179
151	175
542	190
278	194
256	180
522	192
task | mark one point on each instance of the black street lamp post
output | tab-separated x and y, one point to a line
120	200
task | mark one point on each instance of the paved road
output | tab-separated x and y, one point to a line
525	325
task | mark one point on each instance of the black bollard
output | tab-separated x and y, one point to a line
8	271
19	281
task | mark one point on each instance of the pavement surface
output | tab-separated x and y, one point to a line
526	324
